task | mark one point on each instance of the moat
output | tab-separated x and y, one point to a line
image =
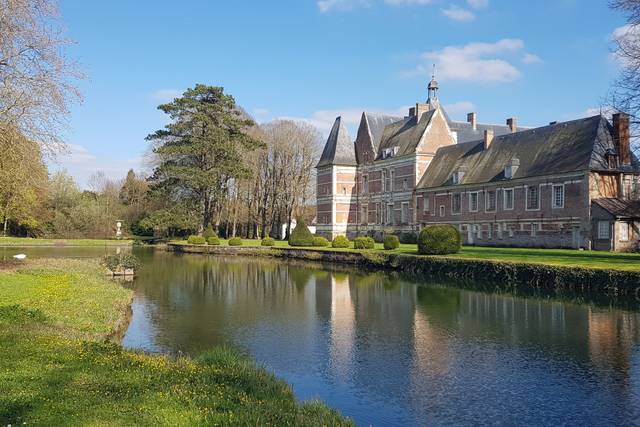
391	351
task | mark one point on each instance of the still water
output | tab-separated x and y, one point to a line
391	351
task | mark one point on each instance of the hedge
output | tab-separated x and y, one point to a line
268	241
364	243
196	240
235	241
340	242
213	241
301	236
320	242
439	240
391	242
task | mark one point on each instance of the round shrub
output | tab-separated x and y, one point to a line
320	242
364	243
391	242
439	240
340	242
196	240
268	241
301	236
129	261
208	233
213	241
235	241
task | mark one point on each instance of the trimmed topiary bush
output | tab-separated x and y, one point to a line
235	241
320	242
301	236
196	240
213	241
268	241
208	233
408	238
391	242
364	243
439	240
340	242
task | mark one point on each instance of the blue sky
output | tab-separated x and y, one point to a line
316	59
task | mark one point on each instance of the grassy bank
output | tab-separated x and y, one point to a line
58	368
554	257
27	241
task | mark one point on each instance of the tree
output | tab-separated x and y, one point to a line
23	175
37	79
202	151
625	95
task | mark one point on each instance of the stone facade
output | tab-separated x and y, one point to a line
554	186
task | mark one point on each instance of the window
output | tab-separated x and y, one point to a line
390	214
558	196
425	203
457	176
473	201
604	231
441	210
507	194
365	215
490	201
365	184
534	229
456	203
405	213
405	184
391	185
624	231
533	198
385	185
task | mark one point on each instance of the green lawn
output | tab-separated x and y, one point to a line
564	257
27	241
57	368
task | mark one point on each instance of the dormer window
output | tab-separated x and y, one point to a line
458	176
389	152
612	159
511	169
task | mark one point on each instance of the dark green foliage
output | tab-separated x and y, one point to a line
268	241
391	242
340	242
196	240
235	241
439	240
364	243
408	238
320	242
208	233
213	241
121	261
129	261
301	236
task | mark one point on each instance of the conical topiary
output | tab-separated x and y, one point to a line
301	236
209	232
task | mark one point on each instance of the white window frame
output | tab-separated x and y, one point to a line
554	205
526	199
425	203
404	220
442	210
604	230
624	235
477	201
459	211
365	184
390	216
512	191
486	200
365	214
405	184
391	177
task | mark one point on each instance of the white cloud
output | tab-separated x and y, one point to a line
327	5
484	62
460	108
166	95
407	2
458	14
627	34
478	4
81	164
530	58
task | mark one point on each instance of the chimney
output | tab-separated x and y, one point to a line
621	137
513	124
473	119
412	111
488	138
420	109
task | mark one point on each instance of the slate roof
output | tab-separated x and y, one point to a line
620	208
466	133
405	134
577	145
370	133
338	150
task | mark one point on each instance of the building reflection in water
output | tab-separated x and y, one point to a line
389	351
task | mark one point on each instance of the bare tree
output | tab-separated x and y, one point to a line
36	79
625	95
